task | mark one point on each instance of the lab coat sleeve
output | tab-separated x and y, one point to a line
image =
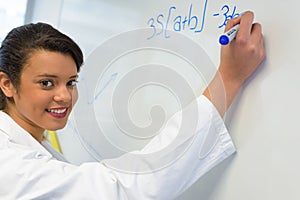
165	168
173	161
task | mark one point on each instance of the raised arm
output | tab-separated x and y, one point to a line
239	59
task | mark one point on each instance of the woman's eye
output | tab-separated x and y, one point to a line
46	83
72	83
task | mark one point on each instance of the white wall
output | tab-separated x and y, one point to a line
44	11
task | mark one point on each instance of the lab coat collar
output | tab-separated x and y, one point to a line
16	134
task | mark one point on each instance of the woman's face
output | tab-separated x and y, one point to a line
47	92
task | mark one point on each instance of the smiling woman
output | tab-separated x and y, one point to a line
39	67
50	78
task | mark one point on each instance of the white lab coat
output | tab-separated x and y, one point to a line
30	170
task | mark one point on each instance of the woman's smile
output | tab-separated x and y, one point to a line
58	112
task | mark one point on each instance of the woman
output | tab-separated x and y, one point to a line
32	76
39	67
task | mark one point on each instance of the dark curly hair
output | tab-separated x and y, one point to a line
22	41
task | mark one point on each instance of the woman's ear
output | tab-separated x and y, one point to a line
6	85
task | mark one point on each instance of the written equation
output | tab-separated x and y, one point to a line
192	21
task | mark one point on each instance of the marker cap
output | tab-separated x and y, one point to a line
223	40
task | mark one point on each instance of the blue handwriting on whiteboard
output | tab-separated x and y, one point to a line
102	88
192	22
112	78
226	14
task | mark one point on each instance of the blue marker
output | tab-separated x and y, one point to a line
226	37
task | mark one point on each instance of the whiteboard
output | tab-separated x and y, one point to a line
263	119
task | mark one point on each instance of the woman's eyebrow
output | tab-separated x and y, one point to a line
55	76
47	75
74	76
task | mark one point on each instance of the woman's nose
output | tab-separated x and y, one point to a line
63	94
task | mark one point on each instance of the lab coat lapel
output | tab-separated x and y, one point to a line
18	135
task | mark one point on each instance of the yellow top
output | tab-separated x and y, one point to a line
52	137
